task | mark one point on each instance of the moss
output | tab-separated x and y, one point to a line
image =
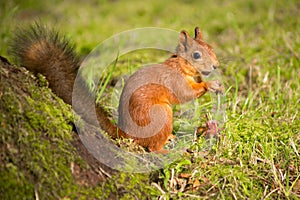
13	181
36	135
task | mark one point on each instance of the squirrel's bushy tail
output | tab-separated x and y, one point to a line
45	51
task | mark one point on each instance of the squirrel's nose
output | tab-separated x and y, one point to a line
215	66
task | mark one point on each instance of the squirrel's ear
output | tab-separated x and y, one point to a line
198	33
184	41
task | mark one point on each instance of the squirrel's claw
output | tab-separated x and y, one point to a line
215	86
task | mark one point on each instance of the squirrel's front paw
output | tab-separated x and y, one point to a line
215	86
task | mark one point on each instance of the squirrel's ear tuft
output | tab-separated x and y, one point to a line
184	41
198	33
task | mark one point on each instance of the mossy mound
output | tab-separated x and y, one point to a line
37	157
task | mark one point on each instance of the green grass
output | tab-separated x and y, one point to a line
258	45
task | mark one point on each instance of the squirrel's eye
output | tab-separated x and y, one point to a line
196	55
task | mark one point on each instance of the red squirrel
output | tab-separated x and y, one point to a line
145	106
